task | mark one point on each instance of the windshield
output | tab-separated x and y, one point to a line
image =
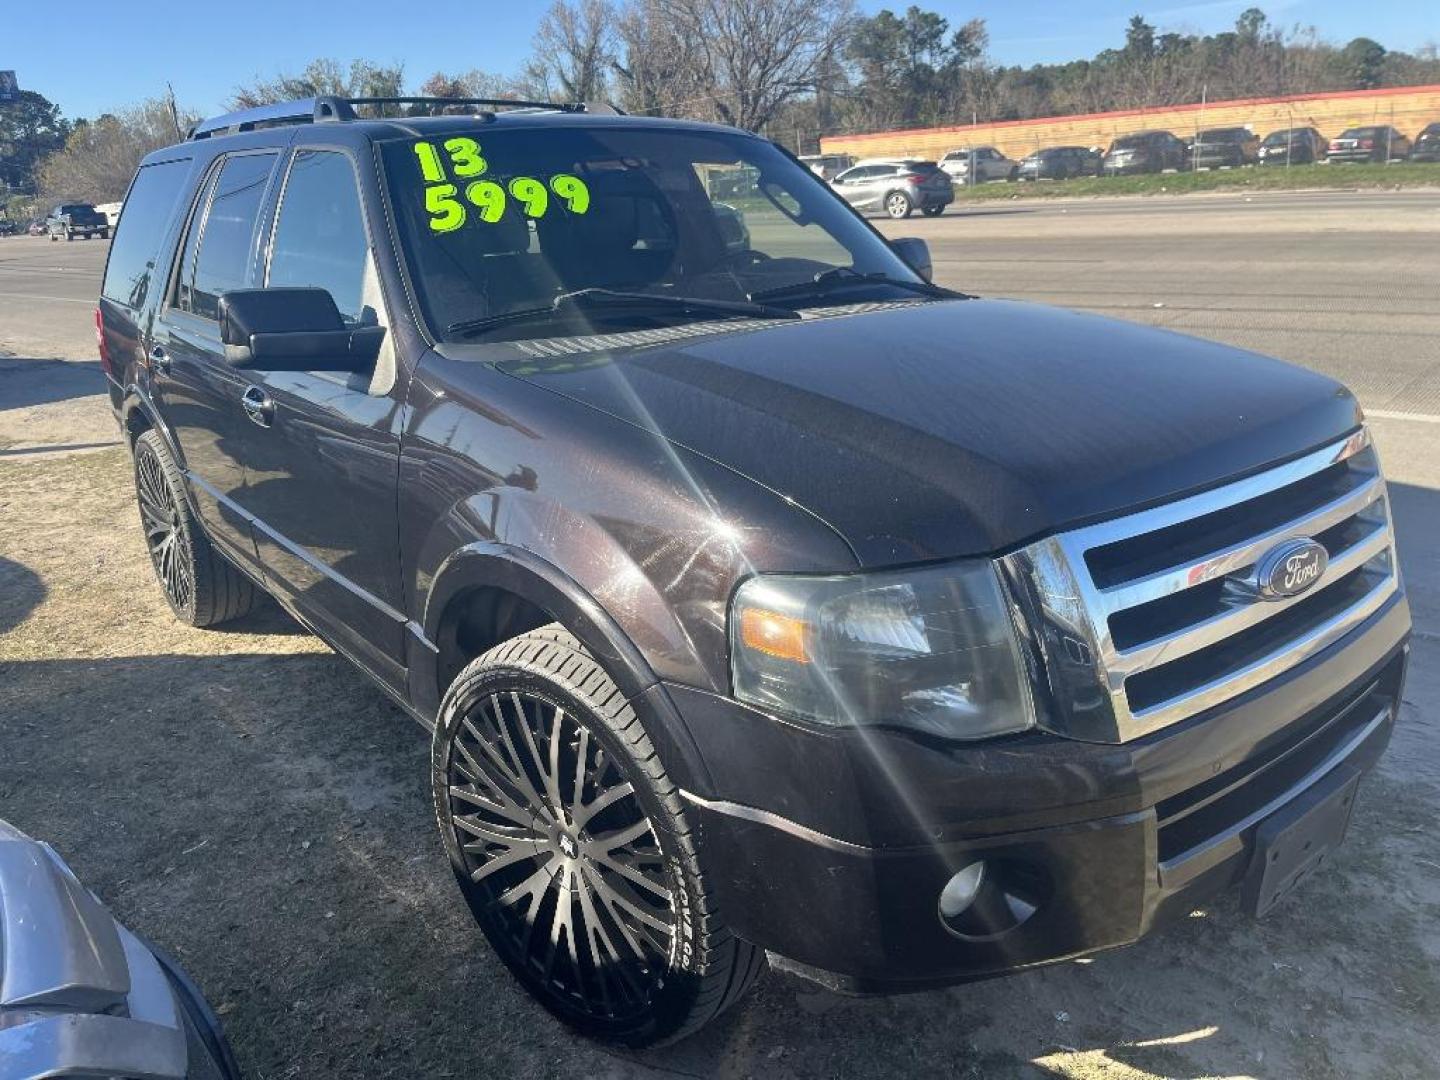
496	222
1279	138
1224	135
1360	133
1128	142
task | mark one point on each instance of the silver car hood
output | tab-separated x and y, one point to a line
80	996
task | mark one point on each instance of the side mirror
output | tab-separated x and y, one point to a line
293	330
916	253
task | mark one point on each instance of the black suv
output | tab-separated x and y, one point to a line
762	598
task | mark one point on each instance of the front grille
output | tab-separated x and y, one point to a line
1162	607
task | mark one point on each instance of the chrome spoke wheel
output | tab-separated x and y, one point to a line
565	864
160	517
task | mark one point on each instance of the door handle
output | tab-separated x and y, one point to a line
259	406
160	360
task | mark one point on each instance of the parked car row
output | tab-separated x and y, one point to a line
1139	152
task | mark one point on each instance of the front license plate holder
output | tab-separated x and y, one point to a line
1297	839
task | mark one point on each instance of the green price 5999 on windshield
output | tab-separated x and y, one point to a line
490	197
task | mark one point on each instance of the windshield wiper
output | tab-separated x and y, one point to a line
840	277
610	299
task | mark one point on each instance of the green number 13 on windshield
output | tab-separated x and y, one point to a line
531	196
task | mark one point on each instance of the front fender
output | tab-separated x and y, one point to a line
490	565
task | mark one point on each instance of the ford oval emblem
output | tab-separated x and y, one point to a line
1291	568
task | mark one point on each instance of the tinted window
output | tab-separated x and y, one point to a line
320	233
227	237
1128	142
148	208
628	209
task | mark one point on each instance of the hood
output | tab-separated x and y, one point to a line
926	430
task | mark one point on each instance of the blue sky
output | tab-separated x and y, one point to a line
129	56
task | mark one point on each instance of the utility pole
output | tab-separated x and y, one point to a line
174	112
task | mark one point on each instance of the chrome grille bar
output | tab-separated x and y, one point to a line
1227	561
1230	621
1076	616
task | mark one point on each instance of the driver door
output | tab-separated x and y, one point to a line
322	455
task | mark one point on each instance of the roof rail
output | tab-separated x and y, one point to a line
329	107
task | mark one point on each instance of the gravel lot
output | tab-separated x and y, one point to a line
249	802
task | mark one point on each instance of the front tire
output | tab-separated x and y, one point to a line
897	205
199	584
571	846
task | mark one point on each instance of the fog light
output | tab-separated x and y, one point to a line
990	898
960	891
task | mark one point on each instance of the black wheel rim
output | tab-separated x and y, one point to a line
160	517
563	865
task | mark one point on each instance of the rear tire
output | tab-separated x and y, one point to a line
933	211
572	848
199	584
897	205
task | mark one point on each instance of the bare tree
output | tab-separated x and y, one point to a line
753	56
100	157
473	83
574	48
362	78
660	72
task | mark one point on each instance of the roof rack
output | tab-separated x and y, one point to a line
327	108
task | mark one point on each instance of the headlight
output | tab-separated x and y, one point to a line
931	649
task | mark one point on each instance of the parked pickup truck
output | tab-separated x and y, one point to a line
76	219
757	599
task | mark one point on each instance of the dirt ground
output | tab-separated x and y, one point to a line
252	804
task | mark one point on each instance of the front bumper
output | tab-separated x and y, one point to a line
1122	168
832	850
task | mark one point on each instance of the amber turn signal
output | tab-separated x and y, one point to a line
773	634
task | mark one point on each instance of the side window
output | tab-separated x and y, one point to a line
186	263
320	233
227	234
148	208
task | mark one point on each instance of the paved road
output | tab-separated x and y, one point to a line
1346	283
47	296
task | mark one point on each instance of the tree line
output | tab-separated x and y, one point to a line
793	69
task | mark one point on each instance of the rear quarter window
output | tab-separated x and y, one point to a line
149	208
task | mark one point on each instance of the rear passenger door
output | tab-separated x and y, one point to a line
322	469
197	391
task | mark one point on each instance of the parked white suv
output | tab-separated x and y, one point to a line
987	164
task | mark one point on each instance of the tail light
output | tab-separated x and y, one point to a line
100	345
918	178
1367	144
